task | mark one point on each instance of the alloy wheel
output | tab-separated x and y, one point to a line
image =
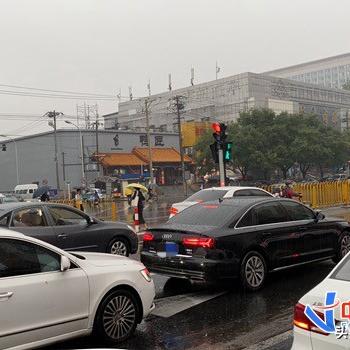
119	317
254	271
345	245
119	248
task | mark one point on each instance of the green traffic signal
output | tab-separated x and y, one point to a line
228	151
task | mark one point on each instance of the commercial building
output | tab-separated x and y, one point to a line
33	157
224	99
135	165
333	72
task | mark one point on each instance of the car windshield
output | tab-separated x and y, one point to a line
205	215
342	272
206	195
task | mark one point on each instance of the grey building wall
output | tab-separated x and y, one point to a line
224	99
36	154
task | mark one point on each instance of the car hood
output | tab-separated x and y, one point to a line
101	259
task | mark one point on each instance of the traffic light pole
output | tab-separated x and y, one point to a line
221	167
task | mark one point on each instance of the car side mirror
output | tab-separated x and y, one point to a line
65	263
319	216
90	220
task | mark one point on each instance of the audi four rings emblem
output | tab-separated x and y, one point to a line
167	236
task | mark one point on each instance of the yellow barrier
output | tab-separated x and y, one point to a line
322	194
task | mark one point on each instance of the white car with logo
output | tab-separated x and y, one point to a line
307	336
213	193
48	295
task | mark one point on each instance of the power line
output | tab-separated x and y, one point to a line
60	91
63	97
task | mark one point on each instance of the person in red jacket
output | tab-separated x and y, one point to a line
288	192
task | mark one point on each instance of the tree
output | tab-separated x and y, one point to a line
202	154
263	142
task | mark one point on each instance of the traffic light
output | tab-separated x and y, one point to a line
3	147
219	132
228	152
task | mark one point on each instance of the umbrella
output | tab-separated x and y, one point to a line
40	191
141	187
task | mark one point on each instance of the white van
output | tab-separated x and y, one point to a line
25	192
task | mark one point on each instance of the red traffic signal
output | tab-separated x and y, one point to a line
216	127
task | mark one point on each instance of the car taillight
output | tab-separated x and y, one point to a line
173	211
148	236
198	242
146	275
303	322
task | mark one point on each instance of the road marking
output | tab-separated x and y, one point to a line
268	343
170	306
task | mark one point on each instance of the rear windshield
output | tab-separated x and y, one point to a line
205	215
343	270
206	195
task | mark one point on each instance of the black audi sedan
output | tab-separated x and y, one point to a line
245	238
68	228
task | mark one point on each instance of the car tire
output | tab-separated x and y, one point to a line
117	317
119	246
343	247
253	271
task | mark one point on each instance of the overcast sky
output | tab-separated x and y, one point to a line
101	46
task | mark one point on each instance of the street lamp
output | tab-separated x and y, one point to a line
16	155
81	148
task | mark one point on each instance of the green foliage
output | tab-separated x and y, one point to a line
263	142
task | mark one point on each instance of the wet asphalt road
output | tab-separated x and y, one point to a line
197	316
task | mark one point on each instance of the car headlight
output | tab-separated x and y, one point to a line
146	275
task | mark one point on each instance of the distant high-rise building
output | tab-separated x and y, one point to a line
332	72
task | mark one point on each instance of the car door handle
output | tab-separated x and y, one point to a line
6	295
62	235
302	228
266	234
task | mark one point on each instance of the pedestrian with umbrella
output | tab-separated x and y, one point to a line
138	200
42	192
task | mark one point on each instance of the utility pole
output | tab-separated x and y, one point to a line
97	148
179	107
54	116
147	105
64	167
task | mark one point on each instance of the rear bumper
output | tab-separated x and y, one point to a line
192	268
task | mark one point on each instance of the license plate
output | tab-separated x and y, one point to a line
170	249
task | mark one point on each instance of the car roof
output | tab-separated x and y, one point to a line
247	201
233	188
5	207
4	232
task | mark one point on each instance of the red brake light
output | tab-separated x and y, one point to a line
301	320
148	236
173	211
201	242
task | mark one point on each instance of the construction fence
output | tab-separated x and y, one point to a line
322	194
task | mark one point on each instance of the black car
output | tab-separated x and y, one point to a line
68	228
243	238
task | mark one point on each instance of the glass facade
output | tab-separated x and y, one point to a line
334	77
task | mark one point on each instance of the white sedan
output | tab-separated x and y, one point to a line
213	193
48	295
307	334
